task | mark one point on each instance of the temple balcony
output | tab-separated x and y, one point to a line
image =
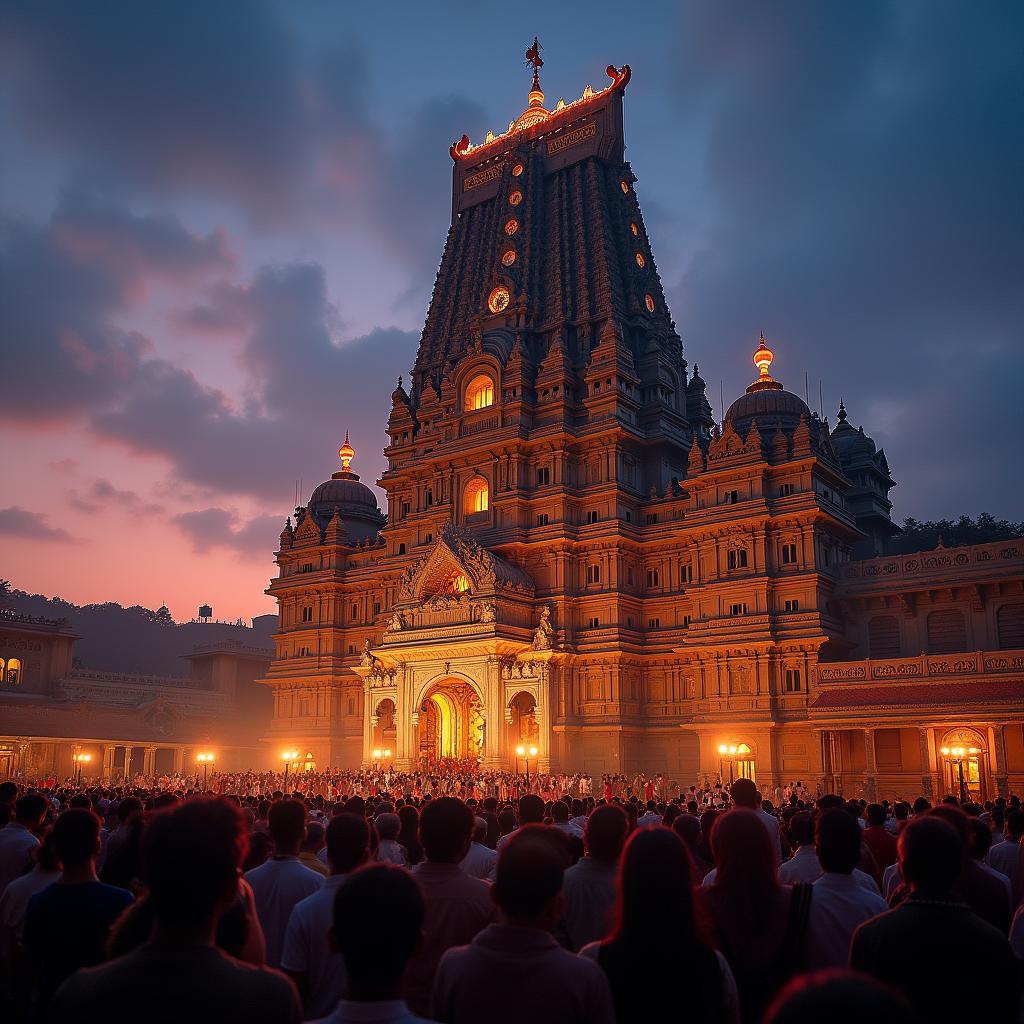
922	667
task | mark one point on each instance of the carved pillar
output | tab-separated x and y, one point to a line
870	767
544	718
997	746
820	766
927	784
495	755
108	762
406	717
368	717
149	761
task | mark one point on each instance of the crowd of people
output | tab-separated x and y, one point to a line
167	902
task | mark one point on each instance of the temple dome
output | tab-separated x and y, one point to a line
766	399
354	502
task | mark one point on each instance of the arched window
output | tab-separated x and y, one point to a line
1010	626
884	637
14	671
479	392
947	632
476	497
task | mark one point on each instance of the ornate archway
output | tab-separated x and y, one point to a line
449	722
964	756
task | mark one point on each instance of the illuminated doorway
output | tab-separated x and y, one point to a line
964	764
451	722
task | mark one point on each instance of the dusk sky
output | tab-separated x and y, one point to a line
220	224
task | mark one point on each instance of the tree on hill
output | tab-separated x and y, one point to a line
918	536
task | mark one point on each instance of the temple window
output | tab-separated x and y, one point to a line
793	684
476	497
479	393
460	584
13	673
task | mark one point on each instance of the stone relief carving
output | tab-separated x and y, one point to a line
544	634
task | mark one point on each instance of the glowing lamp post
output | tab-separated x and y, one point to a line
526	753
956	756
80	759
728	752
205	759
289	757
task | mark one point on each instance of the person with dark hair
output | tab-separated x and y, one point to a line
655	932
66	925
480	860
1006	857
902	946
744	794
838	997
311	847
191	856
758	924
878	839
515	971
18	837
283	880
687	827
588	889
379	908
307	957
531	812
979	846
14	900
839	903
409	836
456	906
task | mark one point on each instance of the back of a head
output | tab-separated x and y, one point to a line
744	794
379	907
314	840
981	839
875	815
742	848
529	874
128	808
931	855
1015	823
389	825
559	812
837	838
687	827
959	822
479	830
76	836
655	891
801	828
287	823
446	825
190	855
606	833
30	809
840	997
355	805
531	809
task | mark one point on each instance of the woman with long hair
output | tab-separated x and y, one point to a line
656	933
757	923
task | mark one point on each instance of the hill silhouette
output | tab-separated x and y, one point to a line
135	639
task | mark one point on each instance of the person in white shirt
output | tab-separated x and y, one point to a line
378	920
839	904
282	881
390	850
17	837
308	957
650	815
14	900
745	794
560	820
531	812
804	865
481	860
1007	857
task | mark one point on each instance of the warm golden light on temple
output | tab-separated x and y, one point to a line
347	453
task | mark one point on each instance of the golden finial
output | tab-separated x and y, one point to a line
347	454
763	359
534	59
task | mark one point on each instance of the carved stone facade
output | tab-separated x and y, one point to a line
572	542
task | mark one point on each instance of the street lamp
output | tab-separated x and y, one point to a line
526	753
79	760
288	757
956	755
205	759
728	752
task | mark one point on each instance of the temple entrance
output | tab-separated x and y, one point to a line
451	723
521	718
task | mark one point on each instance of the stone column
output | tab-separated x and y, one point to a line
870	768
997	752
927	783
369	721
108	762
544	718
494	715
406	717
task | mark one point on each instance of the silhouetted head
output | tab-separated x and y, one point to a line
528	881
838	996
348	842
606	833
837	841
531	809
446	825
931	855
287	823
76	837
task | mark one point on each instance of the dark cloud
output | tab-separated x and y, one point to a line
63	287
102	494
21	524
863	162
211	528
306	389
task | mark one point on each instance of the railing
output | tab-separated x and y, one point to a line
924	666
235	647
10	615
477	426
86	676
922	563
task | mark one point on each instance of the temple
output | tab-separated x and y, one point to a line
577	558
